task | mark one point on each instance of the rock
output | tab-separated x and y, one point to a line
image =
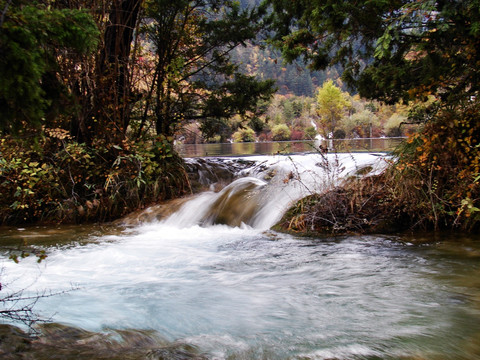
13	341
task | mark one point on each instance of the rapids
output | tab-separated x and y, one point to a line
262	188
200	283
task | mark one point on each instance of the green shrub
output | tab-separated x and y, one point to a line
281	132
310	132
56	179
244	135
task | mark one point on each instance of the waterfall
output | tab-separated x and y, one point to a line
199	278
264	187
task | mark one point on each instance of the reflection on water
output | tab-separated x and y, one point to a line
15	238
239	293
288	147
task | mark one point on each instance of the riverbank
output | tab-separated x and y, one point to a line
433	184
360	206
412	194
54	179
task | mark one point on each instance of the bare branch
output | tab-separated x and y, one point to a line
5	9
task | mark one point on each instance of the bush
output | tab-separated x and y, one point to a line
265	136
310	132
443	164
356	207
281	132
244	135
339	134
297	135
56	179
393	125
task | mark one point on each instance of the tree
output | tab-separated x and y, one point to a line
33	38
101	86
310	132
244	135
114	96
193	76
389	50
281	132
360	124
393	126
331	105
79	64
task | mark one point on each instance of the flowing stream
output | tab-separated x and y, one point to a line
213	285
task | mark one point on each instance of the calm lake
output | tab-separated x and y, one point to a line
288	147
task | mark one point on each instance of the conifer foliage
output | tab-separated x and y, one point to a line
31	35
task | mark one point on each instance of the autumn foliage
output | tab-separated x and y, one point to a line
442	165
433	183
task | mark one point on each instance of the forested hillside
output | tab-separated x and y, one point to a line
295	78
266	62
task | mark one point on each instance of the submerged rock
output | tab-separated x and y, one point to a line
57	341
235	204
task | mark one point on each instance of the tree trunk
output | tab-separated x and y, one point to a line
114	97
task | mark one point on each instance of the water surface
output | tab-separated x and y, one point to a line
241	291
247	293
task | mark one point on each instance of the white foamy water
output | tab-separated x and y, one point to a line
248	293
297	176
264	192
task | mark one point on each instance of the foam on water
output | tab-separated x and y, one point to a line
245	293
265	191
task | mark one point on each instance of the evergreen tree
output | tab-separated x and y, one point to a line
194	77
33	39
389	50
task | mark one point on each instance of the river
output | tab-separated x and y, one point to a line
213	290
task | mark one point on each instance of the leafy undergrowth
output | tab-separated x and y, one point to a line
53	178
434	184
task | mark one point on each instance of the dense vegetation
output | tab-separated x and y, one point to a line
308	118
423	52
94	93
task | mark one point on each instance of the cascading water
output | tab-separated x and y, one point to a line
264	190
211	277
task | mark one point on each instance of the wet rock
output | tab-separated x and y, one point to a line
206	173
236	204
13	342
176	352
153	213
57	341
